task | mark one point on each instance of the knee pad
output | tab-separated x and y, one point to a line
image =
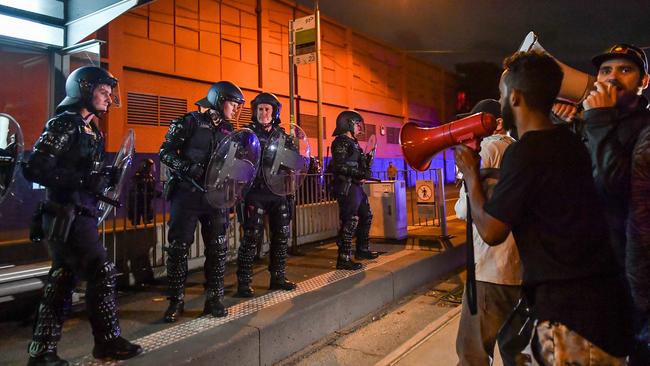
178	250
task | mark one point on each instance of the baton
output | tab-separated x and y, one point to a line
192	181
110	201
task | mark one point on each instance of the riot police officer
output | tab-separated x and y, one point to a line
350	168
259	201
67	159
187	149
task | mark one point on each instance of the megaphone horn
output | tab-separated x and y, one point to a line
420	145
576	85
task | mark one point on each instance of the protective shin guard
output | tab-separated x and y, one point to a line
278	264
176	277
102	313
54	307
102	305
245	258
344	260
215	268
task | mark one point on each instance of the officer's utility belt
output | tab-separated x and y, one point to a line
54	208
346	183
63	215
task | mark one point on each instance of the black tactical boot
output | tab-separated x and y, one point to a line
281	284
345	262
47	359
116	349
174	310
244	290
344	259
363	239
365	254
214	306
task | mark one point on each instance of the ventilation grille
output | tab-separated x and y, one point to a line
392	135
153	110
244	118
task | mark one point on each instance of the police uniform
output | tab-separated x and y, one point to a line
259	201
187	149
67	159
350	166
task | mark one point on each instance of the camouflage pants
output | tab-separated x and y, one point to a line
555	345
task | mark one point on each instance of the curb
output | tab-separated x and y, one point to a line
276	332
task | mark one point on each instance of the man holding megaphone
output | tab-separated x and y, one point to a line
616	127
497	268
547	198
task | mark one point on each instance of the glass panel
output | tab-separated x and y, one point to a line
25	96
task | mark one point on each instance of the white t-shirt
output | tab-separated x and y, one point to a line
498	264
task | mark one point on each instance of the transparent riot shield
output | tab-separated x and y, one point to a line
11	151
123	159
232	168
285	161
370	150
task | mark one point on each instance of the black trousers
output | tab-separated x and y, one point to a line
355	217
80	256
189	207
355	203
259	203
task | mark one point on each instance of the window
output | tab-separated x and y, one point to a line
392	135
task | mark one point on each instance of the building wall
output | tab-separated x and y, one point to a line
177	48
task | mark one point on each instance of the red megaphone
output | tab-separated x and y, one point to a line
420	145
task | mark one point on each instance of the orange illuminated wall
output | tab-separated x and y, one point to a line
176	48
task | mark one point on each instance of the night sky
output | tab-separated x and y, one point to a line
465	31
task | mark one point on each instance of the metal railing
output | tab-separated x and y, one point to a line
135	235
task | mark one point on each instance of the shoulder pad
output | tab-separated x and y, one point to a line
64	123
227	126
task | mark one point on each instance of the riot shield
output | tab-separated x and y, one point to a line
11	151
285	161
232	168
123	159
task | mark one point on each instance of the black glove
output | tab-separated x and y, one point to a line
113	173
195	171
97	182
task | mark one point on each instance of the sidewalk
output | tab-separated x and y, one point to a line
271	326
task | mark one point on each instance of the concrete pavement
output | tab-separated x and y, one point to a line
273	325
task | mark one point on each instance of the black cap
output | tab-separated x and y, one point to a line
203	102
626	51
490	106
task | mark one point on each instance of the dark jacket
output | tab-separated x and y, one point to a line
191	140
64	156
348	163
619	145
265	138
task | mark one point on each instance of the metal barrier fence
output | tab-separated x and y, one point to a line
415	214
136	234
